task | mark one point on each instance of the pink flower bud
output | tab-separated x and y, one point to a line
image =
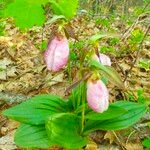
97	96
104	59
57	53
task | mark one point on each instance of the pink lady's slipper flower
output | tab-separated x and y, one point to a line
57	53
97	96
104	59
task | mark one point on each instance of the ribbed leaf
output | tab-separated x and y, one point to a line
96	37
37	109
109	72
55	18
39	2
29	136
99	36
134	112
63	129
66	8
26	13
112	112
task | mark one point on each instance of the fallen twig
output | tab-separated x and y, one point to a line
9	98
140	19
137	54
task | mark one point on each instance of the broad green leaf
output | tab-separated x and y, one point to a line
112	112
55	18
66	8
25	14
146	143
29	136
101	35
37	2
96	37
63	130
3	5
134	112
37	109
109	72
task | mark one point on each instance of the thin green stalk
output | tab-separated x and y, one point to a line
80	86
83	109
83	116
69	71
79	95
70	81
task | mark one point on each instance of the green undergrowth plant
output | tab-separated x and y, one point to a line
144	64
49	120
146	142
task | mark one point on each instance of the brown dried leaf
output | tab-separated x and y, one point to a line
91	146
3	75
11	72
134	146
109	135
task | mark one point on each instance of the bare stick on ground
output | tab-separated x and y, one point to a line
137	54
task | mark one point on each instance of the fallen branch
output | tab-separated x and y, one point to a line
140	19
137	54
10	99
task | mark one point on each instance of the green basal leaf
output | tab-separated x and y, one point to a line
134	112
66	8
63	130
146	143
26	13
37	109
112	112
109	72
29	136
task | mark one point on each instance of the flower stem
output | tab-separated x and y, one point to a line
83	108
69	71
83	118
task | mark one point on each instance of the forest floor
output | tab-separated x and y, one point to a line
24	75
